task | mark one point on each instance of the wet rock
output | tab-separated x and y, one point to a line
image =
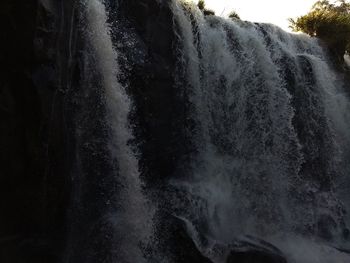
34	182
177	242
254	256
258	251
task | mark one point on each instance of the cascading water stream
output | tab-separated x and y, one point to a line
269	135
150	131
131	222
272	127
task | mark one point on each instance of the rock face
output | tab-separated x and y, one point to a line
160	106
33	136
254	257
177	242
258	252
40	80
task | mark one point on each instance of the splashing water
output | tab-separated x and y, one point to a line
132	223
272	127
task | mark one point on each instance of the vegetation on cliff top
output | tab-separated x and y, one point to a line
201	6
233	15
329	22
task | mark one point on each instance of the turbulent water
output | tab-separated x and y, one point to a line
131	223
272	132
271	139
127	215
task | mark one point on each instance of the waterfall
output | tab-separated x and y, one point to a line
347	60
272	135
131	221
265	127
150	131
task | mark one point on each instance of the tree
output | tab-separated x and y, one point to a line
329	22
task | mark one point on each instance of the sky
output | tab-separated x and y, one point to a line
269	11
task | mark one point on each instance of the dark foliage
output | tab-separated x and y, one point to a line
330	22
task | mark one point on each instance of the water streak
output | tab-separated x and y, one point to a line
272	126
132	223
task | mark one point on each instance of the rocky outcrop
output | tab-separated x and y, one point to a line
254	256
255	252
34	177
161	107
41	111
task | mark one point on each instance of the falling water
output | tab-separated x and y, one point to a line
270	138
272	135
132	220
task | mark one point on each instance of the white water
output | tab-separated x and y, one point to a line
133	222
251	172
347	60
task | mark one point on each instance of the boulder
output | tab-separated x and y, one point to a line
255	251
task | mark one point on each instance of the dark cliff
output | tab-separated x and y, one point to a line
35	137
40	80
